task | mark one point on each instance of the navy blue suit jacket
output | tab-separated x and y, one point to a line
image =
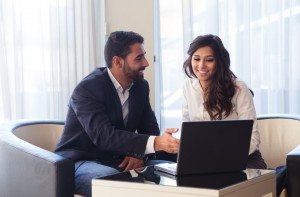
94	128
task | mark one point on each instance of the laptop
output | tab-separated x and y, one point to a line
211	147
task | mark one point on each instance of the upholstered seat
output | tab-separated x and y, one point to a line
28	166
280	145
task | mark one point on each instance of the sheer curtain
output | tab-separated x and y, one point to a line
262	39
47	47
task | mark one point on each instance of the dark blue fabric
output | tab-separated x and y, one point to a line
85	171
256	161
94	128
281	179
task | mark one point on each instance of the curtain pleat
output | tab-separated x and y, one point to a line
261	37
47	47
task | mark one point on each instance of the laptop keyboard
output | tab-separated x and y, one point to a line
172	167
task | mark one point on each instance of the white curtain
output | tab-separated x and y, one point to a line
47	47
262	37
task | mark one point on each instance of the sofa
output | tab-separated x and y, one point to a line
28	165
280	146
29	168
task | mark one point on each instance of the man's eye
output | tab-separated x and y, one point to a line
139	58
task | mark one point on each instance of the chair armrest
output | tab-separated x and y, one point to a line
293	171
27	170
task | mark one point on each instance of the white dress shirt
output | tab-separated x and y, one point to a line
243	106
124	95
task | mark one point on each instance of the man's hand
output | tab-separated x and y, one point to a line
130	163
167	142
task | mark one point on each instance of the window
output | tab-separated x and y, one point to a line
46	48
261	37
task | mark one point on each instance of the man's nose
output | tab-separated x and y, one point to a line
146	63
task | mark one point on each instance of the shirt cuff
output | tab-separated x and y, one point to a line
150	145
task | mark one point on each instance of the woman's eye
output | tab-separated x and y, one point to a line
210	60
196	59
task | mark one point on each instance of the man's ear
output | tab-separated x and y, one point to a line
117	61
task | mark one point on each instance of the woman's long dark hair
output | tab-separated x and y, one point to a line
218	95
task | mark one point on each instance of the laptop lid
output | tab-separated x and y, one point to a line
212	146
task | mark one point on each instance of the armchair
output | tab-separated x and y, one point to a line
28	166
280	145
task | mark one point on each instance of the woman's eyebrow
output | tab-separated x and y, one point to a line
204	56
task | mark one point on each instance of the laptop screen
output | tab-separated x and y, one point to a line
214	146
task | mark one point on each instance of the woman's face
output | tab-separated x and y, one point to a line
203	64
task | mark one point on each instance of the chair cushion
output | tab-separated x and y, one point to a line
44	136
278	137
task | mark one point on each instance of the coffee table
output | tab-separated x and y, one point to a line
148	182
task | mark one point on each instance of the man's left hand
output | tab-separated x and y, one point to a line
130	163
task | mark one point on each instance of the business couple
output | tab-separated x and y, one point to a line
110	126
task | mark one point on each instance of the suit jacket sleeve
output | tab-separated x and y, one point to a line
91	111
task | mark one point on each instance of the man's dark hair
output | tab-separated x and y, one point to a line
118	44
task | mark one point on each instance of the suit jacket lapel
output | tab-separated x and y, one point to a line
135	105
116	100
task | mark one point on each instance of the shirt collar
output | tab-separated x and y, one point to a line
196	84
115	82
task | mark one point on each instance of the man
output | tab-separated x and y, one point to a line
110	125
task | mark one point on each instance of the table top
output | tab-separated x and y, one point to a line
149	175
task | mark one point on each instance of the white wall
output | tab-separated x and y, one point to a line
137	16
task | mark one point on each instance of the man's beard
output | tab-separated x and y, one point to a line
132	74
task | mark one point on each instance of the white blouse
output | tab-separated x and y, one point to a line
243	106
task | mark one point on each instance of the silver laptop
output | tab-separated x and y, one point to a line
211	147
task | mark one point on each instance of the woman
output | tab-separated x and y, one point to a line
212	91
